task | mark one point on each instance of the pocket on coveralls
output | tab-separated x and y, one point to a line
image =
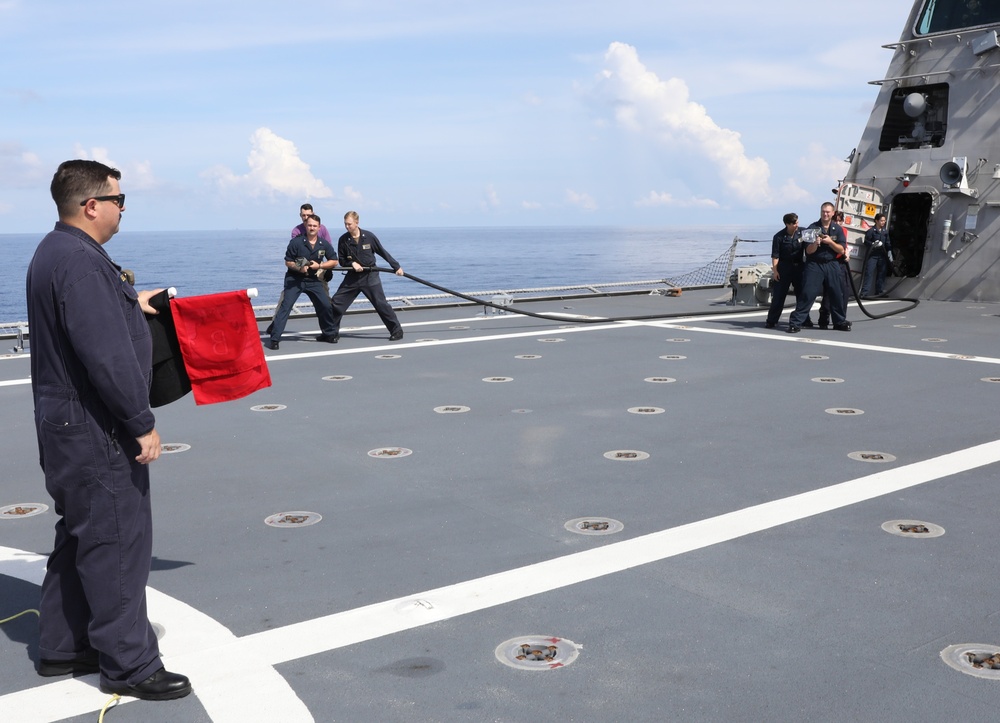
71	474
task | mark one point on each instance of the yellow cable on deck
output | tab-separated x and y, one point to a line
23	612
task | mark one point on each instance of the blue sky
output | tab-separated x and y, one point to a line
437	113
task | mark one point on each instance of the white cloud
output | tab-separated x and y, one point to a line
492	199
666	199
275	169
352	196
791	192
136	175
822	166
582	200
19	168
663	111
530	205
97	153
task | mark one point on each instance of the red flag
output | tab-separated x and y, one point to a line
220	345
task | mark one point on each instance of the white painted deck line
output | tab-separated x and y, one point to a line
190	634
206	661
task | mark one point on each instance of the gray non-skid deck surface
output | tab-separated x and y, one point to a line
826	617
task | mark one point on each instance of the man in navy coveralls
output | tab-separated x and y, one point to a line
357	249
307	258
91	364
822	273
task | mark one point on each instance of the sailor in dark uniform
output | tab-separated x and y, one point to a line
786	267
307	259
822	273
91	361
357	248
877	250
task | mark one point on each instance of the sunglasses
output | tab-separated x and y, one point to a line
119	200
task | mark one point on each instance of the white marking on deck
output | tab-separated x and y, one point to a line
217	662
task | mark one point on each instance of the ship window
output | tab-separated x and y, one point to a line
940	16
917	117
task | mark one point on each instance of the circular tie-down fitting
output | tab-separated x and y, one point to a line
388	356
390	452
452	409
498	380
934	340
22	510
537	652
426	339
872	457
174	447
594	526
844	411
528	356
660	380
626	455
297	518
268	408
551	340
914	529
815	357
991	380
337	378
905	326
672	357
158	630
827	380
646	410
977	660
521	411
678	340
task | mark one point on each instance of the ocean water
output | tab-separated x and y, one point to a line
464	259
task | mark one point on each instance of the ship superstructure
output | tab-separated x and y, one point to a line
930	155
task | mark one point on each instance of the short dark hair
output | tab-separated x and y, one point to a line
879	215
790	218
78	180
306	207
314	217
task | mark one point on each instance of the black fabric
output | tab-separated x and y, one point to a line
170	379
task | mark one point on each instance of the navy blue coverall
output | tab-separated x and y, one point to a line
366	282
309	284
787	250
877	248
822	274
91	362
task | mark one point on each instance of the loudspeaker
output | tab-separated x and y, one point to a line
951	174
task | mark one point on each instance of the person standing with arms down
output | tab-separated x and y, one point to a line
91	365
877	250
357	249
306	258
822	273
786	267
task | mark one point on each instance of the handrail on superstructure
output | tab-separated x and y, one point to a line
953	71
